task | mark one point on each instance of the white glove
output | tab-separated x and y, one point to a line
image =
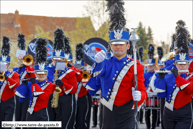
100	56
136	94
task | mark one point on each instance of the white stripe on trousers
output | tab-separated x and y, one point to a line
71	114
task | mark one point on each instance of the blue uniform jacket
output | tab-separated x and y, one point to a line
111	68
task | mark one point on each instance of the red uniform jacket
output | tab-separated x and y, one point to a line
191	67
83	91
78	73
11	84
70	82
42	101
184	95
125	91
30	72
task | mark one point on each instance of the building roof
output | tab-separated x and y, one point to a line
12	24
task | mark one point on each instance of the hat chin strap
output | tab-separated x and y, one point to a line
183	71
120	53
150	69
41	79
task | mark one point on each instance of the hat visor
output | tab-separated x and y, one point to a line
182	62
41	72
160	63
58	58
150	64
123	41
118	42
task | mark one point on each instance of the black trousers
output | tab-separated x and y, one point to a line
140	115
101	115
21	109
158	117
121	117
82	110
51	112
41	115
6	110
161	111
95	113
89	98
154	118
178	118
65	111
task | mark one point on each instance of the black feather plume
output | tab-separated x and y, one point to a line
79	52
191	41
67	48
21	41
6	46
182	40
151	51
173	41
116	12
130	51
41	51
141	52
59	39
181	23
160	52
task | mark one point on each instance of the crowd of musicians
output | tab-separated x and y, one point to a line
60	90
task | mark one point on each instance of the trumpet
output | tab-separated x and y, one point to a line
85	76
2	77
28	60
54	101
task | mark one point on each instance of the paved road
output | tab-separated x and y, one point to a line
141	126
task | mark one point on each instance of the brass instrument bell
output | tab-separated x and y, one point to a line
85	76
28	60
2	77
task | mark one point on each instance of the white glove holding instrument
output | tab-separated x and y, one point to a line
100	56
136	94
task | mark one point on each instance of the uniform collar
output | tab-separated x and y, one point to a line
122	60
7	73
183	75
152	72
40	83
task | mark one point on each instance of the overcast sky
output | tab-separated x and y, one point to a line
161	16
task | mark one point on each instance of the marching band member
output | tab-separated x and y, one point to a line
66	81
9	81
82	99
177	87
140	114
26	71
191	62
95	103
37	89
82	103
148	75
117	75
160	66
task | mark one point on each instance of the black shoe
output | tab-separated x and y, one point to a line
142	122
